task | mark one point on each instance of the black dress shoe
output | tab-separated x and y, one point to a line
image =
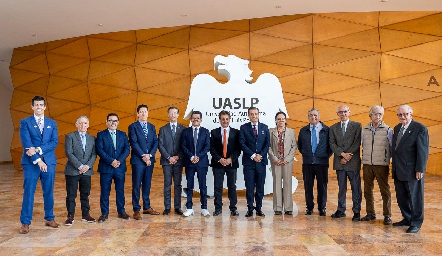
217	212
178	211
260	213
322	213
413	229
249	213
288	213
234	213
166	212
102	218
337	215
276	213
368	217
123	216
401	223
356	217
387	220
308	212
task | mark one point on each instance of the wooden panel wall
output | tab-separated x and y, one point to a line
322	60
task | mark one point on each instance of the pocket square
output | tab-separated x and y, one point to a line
35	126
49	127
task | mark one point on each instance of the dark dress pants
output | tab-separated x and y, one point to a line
218	176
309	173
141	179
73	183
172	171
356	192
105	185
201	173
410	199
254	176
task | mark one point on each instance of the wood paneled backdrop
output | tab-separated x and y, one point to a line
322	60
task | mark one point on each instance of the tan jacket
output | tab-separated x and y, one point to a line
289	145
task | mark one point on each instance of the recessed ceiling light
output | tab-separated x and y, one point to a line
183	15
383	1
278	6
34	35
100	24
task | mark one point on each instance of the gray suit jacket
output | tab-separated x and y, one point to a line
75	154
350	143
168	145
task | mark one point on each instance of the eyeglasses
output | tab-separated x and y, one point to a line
113	121
195	118
342	112
403	114
376	114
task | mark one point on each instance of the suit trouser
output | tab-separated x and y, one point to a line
105	184
141	178
172	171
356	193
282	187
380	173
254	176
201	173
73	182
309	172
31	174
410	199
218	176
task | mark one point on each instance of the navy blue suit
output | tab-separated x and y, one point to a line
107	153
254	172
30	136
200	168
141	173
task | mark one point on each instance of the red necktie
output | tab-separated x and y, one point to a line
225	143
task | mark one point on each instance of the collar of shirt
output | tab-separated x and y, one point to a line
318	126
198	128
173	124
406	126
346	122
142	122
227	131
80	133
42	119
110	131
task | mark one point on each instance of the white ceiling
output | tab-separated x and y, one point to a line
27	22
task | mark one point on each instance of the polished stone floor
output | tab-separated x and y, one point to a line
221	235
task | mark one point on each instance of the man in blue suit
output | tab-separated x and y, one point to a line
254	138
144	143
39	138
195	142
113	148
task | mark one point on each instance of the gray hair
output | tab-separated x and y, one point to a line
376	107
410	110
312	109
78	118
348	108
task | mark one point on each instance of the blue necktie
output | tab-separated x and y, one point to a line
195	138
83	141
314	140
173	130
144	125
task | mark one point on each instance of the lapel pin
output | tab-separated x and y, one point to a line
35	126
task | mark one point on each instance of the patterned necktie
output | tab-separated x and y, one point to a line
314	140
343	129
255	132
173	130
114	139
144	125
40	125
195	138
399	136
83	140
225	143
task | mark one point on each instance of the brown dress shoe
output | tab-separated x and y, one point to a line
151	212
24	229
137	215
52	224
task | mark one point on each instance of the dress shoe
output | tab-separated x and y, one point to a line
337	215
205	212
151	211
102	218
88	219
166	212
179	211
356	217
24	229
249	213
413	229
52	224
401	223
259	213
217	212
278	213
322	213
123	216
234	213
69	221
288	213
188	212
308	212
368	217
137	215
387	220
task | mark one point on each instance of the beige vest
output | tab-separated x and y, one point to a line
376	148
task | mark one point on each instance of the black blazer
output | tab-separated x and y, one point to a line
202	147
216	147
411	155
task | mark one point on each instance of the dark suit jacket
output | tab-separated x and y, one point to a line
351	143
411	155
77	156
142	145
202	146
105	150
251	145
30	136
216	147
170	146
